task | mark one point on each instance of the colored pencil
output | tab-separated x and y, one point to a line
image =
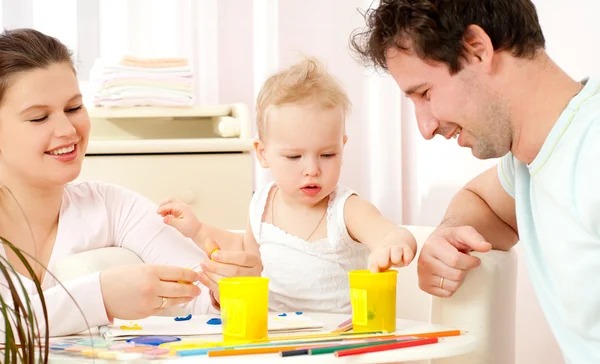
340	344
331	340
281	347
445	333
332	349
303	342
376	347
344	326
319	336
194	352
203	351
296	352
254	351
191	351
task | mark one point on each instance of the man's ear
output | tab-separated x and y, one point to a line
259	148
478	48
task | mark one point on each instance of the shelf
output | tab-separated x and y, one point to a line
157	130
158	112
159	146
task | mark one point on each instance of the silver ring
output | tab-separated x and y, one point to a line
165	300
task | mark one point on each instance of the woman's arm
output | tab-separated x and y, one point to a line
71	309
136	226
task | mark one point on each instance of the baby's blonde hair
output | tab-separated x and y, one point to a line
307	80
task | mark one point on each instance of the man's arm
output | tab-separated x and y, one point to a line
485	205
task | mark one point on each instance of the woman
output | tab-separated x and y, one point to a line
44	131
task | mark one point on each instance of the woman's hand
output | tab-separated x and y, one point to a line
227	263
137	291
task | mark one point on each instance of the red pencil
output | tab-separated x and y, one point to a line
375	348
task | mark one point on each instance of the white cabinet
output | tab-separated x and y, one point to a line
177	152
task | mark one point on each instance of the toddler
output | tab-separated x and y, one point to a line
309	229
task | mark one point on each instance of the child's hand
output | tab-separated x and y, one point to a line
385	257
181	216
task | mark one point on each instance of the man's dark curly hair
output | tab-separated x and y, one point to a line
434	29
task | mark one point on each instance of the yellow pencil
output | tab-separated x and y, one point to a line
439	333
262	350
345	336
320	336
345	328
294	346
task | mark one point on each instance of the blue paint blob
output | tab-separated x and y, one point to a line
188	317
153	340
214	321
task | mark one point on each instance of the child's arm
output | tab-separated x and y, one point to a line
182	217
390	244
210	239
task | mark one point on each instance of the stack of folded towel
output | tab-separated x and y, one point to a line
142	82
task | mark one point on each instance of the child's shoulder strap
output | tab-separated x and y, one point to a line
257	207
336	226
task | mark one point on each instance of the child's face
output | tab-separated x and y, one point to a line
303	148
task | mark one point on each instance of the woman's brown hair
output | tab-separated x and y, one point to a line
23	50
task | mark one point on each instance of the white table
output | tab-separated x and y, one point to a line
445	348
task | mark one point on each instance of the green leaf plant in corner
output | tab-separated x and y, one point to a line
21	332
24	334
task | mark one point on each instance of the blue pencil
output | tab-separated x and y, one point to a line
193	352
204	351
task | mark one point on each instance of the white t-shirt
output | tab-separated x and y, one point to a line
557	200
95	215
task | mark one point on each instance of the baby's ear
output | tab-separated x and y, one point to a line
259	148
345	139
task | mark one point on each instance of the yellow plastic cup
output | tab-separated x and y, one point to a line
373	299
244	308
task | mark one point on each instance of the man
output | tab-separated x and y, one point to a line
477	70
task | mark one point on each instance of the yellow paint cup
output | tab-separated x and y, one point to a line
373	298
244	308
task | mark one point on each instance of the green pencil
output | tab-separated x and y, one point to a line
331	349
320	335
315	340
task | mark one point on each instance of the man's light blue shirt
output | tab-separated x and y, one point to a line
557	200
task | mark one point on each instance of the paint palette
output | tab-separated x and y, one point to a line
142	348
107	350
165	337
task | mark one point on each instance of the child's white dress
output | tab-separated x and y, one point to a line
307	276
